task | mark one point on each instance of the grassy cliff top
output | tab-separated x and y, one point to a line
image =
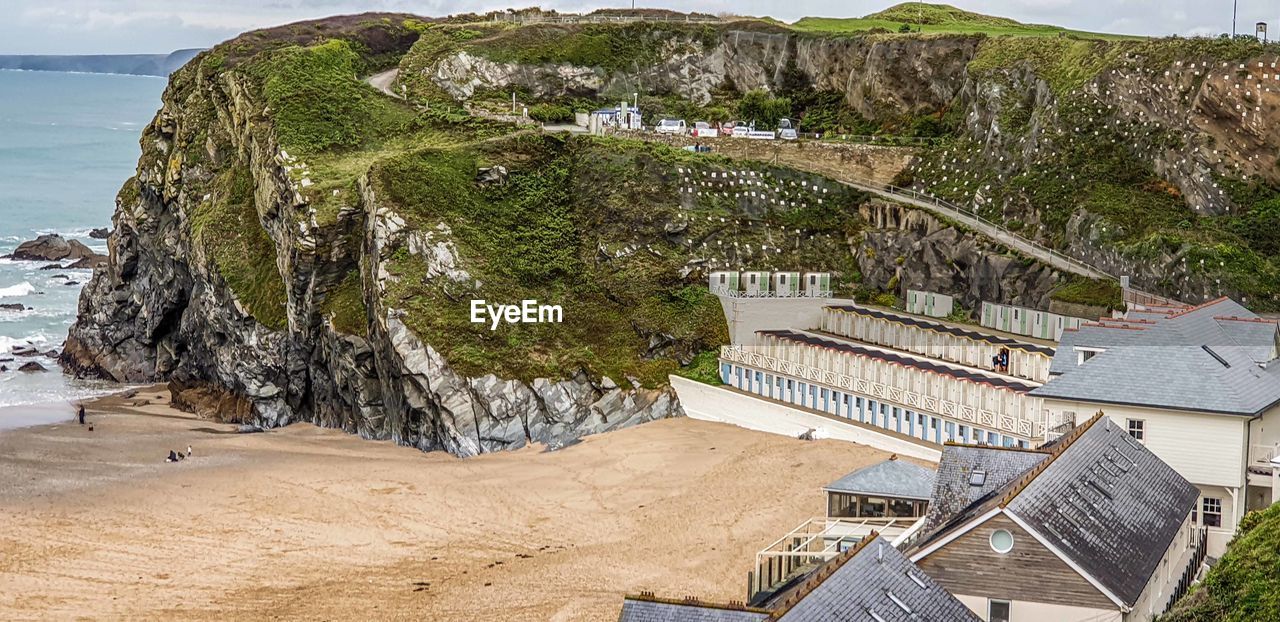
940	19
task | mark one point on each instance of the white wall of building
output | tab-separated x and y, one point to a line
708	403
1026	611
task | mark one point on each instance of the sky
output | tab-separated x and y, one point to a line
159	26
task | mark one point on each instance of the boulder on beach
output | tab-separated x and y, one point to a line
24	351
52	266
101	233
16	306
51	247
72	283
32	367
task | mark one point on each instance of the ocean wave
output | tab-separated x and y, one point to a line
21	289
38	340
67	233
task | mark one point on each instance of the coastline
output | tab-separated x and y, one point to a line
309	523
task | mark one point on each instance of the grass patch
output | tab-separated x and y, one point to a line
705	368
227	227
928	18
1245	585
600	227
1093	292
318	104
345	308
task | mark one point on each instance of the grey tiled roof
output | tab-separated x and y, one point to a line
641	609
1102	499
871	580
891	478
1110	505
952	490
1193	360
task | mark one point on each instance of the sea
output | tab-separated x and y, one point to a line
68	141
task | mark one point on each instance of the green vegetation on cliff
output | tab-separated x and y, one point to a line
939	19
1245	584
599	227
227	225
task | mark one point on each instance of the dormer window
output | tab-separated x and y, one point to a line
978	478
1084	354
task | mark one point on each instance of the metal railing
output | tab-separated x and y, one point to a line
997	231
814	542
735	293
1192	570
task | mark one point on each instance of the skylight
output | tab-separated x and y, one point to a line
978	478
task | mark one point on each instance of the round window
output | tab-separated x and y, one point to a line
1001	541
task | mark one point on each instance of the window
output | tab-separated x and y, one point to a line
998	611
978	478
1001	541
1211	512
1137	429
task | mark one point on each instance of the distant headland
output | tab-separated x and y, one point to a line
131	64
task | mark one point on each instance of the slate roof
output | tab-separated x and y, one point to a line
921	364
894	478
647	608
952	490
870	578
945	328
1100	498
1207	358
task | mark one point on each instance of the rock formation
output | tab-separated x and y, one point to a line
52	247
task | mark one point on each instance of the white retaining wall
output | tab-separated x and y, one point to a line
708	403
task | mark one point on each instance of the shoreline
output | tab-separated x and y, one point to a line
309	523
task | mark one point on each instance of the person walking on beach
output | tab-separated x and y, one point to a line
82	414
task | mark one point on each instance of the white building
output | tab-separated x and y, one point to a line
1198	386
1090	527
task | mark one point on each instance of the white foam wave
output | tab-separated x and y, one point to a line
35	340
67	233
21	289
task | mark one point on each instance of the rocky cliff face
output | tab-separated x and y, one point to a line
914	250
163	310
1120	153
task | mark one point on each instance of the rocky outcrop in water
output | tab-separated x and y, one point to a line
52	247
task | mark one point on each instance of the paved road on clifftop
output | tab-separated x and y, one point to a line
383	81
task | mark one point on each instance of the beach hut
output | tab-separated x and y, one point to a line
725	283
786	284
755	284
929	303
817	284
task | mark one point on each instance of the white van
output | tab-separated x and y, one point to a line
670	126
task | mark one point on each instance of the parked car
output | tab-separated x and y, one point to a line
727	128
787	130
741	131
702	129
698	148
671	126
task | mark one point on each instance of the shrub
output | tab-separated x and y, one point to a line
551	113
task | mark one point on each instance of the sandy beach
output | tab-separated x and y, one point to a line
306	523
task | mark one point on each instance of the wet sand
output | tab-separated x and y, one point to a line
305	523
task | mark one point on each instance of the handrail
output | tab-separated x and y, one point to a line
1031	247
